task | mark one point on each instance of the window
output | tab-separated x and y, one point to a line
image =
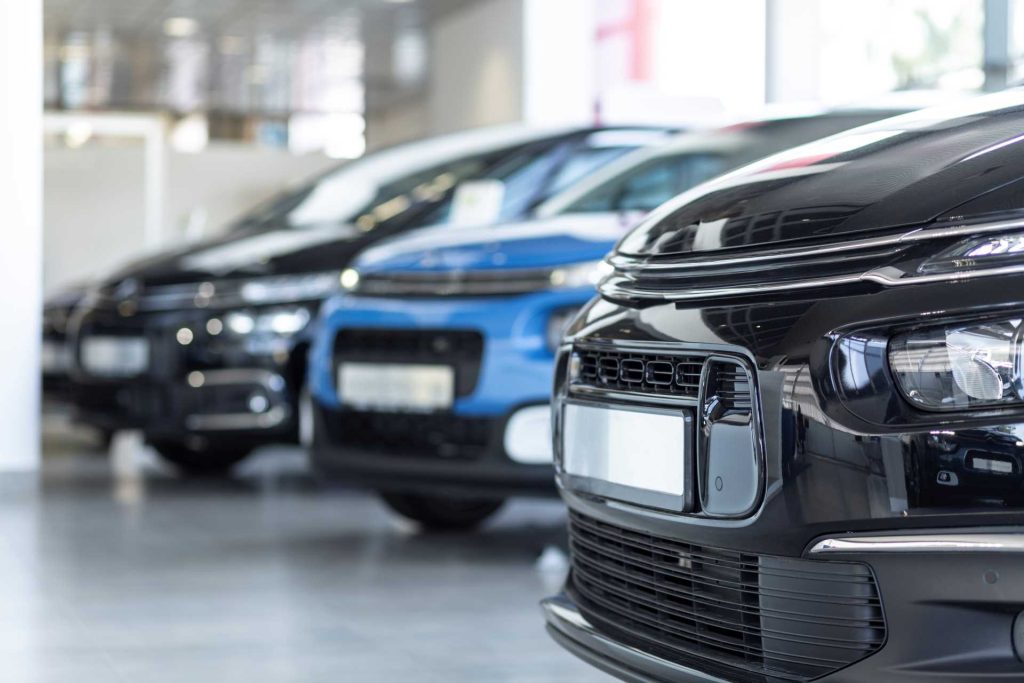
650	184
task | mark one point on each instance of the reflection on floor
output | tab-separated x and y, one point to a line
268	576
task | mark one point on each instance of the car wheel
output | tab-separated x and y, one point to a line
443	514
206	460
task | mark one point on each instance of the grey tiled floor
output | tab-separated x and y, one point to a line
113	569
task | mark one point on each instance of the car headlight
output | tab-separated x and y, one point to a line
288	288
580	275
281	322
960	366
349	279
558	323
976	253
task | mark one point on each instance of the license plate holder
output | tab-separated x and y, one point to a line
112	356
398	387
632	454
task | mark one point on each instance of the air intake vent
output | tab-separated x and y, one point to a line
757	617
673	375
730	384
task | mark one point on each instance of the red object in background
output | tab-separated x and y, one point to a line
637	28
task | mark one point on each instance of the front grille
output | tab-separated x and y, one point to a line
453	283
461	349
669	375
748	617
399	434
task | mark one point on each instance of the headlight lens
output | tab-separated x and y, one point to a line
558	323
289	288
349	279
975	253
962	366
282	322
580	275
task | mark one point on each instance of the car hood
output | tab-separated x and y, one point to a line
906	171
251	252
550	242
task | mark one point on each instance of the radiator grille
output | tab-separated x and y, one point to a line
670	375
758	617
442	435
461	349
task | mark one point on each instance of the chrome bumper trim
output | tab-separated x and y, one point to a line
229	421
986	542
573	630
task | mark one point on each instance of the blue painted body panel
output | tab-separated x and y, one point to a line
517	365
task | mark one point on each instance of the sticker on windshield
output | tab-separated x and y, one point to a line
477	202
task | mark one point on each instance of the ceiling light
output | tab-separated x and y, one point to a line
181	27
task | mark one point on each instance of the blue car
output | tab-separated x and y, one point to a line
432	375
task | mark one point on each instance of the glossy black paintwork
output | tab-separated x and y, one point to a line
904	171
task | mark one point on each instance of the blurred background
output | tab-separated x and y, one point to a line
197	109
131	127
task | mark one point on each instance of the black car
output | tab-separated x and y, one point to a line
790	431
204	349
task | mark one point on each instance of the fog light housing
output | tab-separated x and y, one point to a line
960	366
528	436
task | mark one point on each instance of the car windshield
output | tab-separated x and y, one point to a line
344	197
532	176
649	184
654	181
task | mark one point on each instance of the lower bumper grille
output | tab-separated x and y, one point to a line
438	436
461	349
758	617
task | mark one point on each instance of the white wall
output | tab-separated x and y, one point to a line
94	199
560	56
477	66
21	134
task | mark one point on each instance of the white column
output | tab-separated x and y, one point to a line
792	51
21	183
559	56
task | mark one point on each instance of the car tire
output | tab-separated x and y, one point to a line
435	513
204	461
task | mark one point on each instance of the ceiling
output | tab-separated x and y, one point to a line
284	18
142	54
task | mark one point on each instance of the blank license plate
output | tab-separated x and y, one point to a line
115	356
636	455
396	386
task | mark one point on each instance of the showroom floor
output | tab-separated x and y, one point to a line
113	569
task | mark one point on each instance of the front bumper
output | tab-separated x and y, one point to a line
217	386
502	386
951	602
571	630
834	470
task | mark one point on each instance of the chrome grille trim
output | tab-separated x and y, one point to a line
627	263
623	282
